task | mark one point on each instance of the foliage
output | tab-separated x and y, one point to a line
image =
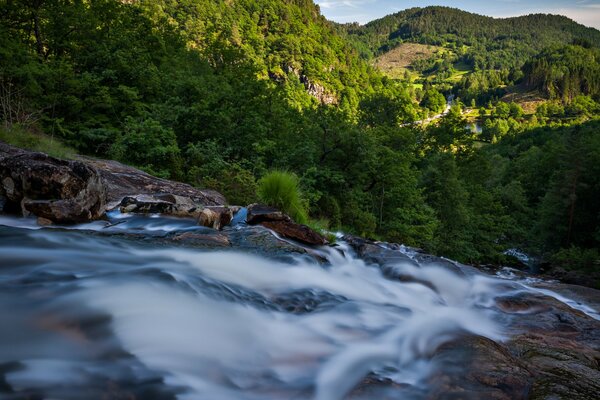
281	189
484	43
575	258
565	72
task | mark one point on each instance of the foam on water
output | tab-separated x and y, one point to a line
211	323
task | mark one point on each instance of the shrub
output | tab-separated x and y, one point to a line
575	258
282	190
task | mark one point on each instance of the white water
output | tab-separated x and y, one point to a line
212	324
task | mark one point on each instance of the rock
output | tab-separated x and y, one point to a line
378	253
202	240
283	225
122	180
318	91
145	204
258	240
58	190
43	221
298	232
474	367
216	217
179	206
258	213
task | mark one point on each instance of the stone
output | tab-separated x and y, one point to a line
41	221
122	180
202	240
215	217
58	190
258	213
282	224
298	232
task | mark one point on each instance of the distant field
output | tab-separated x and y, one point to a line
395	62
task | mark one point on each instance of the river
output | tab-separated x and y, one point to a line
116	309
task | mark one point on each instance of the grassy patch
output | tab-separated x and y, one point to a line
22	138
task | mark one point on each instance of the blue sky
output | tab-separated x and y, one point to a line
586	12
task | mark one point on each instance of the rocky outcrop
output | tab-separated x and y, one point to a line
56	190
59	191
317	91
283	225
122	180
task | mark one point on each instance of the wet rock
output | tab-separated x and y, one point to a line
216	217
378	253
43	221
474	367
178	206
283	225
58	190
589	278
258	240
202	240
298	232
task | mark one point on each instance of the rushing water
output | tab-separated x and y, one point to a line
95	311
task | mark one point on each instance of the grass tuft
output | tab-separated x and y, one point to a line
282	190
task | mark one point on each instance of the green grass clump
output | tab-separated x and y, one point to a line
282	190
25	139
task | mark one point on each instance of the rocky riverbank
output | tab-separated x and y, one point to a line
66	192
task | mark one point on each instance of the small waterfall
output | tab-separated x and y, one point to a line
83	313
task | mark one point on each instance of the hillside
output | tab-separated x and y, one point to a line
483	42
395	62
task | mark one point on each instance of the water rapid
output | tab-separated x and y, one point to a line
107	309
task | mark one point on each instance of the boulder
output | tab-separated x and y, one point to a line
283	225
57	190
215	217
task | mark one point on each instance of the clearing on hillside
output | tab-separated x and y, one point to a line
528	100
395	62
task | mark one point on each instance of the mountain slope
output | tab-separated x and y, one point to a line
484	42
285	40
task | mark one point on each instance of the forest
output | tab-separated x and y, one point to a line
219	93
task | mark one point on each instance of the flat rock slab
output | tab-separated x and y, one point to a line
122	180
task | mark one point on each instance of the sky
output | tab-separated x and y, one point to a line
586	12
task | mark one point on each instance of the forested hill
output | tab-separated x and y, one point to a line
488	42
285	40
